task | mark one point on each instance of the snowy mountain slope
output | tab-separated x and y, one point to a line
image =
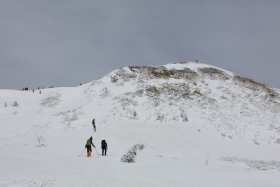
223	101
200	125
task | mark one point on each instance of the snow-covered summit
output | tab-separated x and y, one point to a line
189	91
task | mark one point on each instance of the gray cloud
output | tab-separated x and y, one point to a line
65	42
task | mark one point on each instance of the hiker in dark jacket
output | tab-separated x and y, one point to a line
88	146
93	124
104	147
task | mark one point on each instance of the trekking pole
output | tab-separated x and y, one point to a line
96	151
82	152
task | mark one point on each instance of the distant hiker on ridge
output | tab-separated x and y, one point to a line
104	147
88	146
93	124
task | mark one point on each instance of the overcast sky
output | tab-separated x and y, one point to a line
67	42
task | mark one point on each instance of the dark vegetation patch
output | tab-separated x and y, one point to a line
214	73
153	91
184	74
179	90
130	156
254	85
157	72
163	72
123	76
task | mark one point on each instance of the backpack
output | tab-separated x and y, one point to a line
103	143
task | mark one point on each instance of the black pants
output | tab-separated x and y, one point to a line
88	148
104	151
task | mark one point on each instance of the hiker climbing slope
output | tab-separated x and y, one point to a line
88	146
93	124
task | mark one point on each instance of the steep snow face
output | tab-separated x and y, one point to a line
194	121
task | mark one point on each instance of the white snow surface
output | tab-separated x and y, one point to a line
200	125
